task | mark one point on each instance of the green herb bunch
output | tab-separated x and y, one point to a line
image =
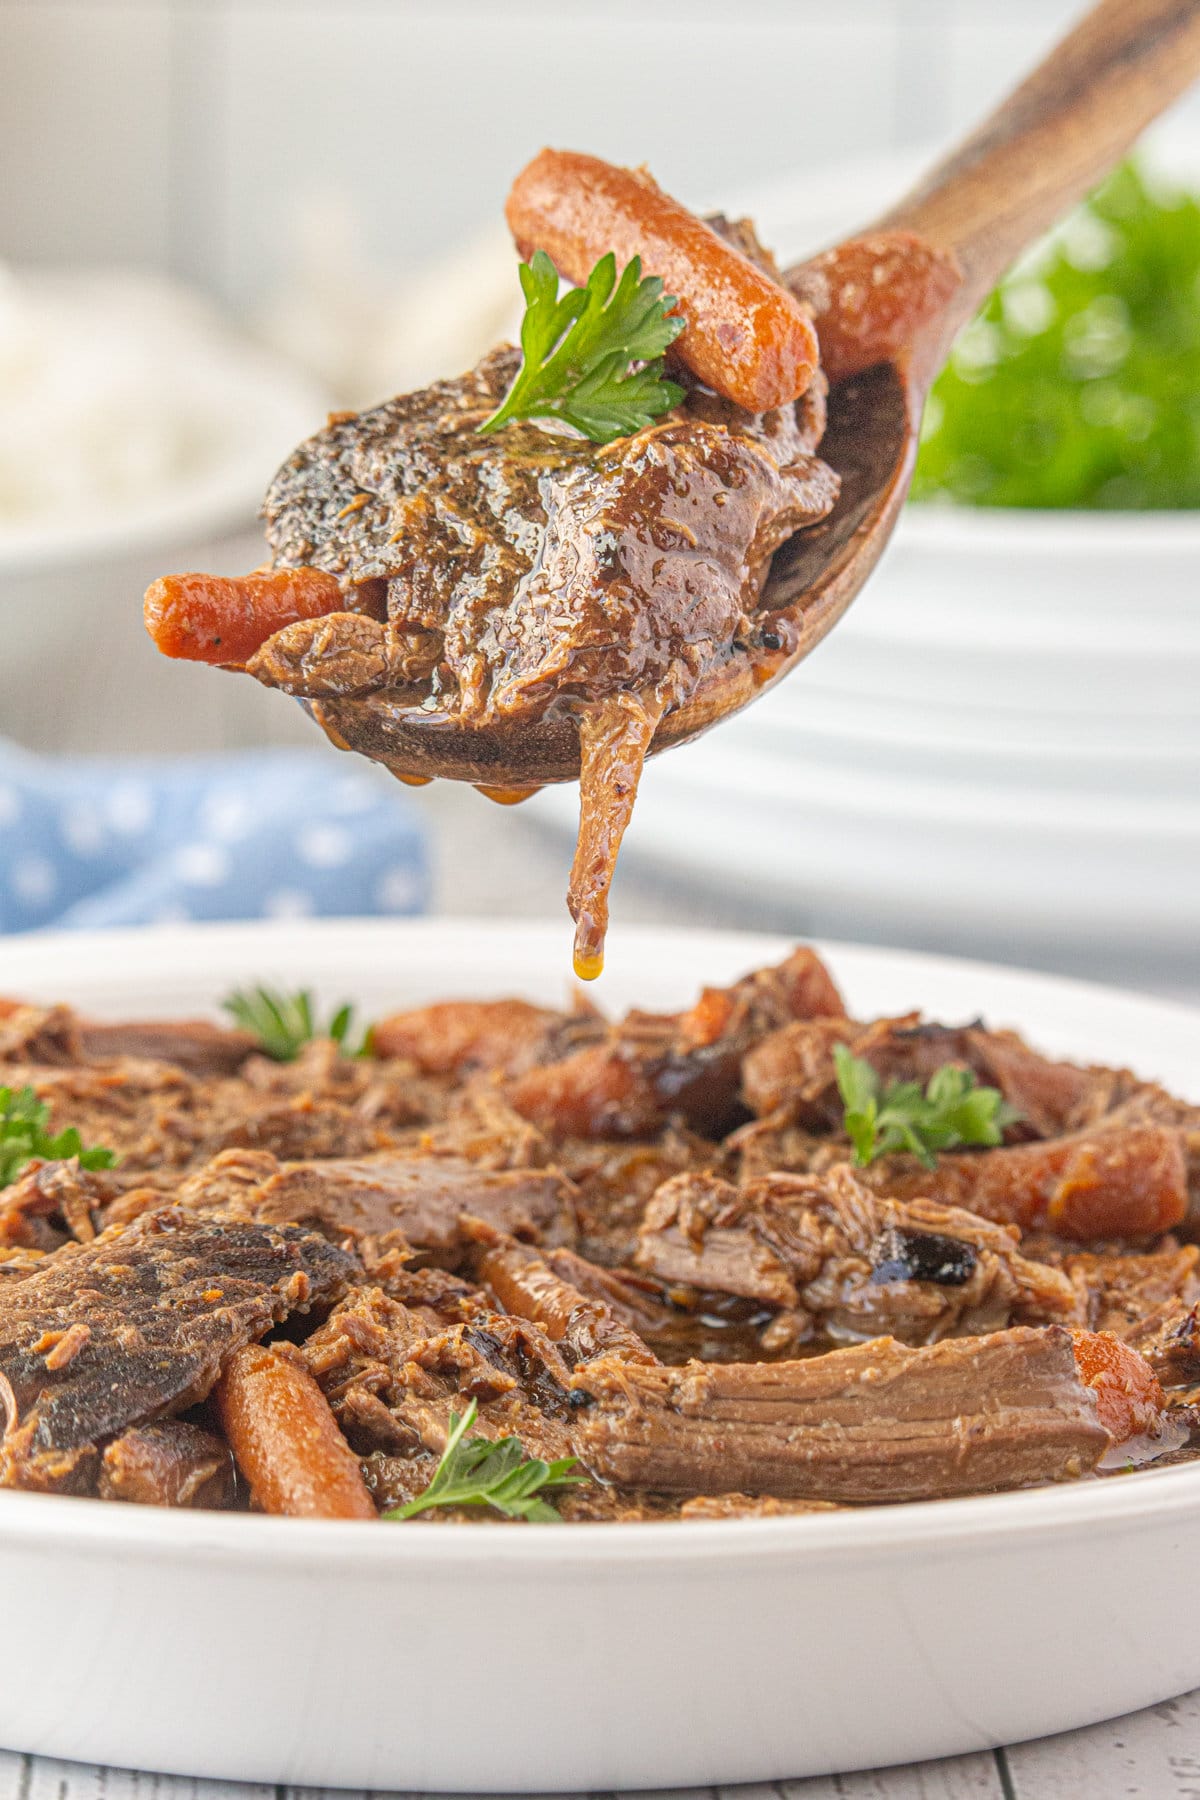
495	1472
24	1138
594	358
284	1023
952	1109
1078	385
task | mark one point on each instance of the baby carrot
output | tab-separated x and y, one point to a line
286	1440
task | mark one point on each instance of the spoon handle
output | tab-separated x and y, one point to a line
1052	139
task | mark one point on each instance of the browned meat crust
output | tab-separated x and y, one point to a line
876	1422
654	1067
138	1325
526	565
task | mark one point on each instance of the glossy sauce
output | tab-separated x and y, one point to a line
614	738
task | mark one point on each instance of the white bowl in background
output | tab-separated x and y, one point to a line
942	1628
977	655
79	671
1012	757
1015	562
951	724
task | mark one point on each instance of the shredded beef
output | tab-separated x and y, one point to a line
525	1283
655	1067
639	1244
393	1373
170	1464
876	1422
832	1259
1132	1294
424	1198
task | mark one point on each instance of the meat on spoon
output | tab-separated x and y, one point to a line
419	566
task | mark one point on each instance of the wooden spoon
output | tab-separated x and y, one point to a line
1042	150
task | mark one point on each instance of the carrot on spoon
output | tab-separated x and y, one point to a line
225	619
746	336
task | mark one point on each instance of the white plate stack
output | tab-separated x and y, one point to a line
998	748
973	759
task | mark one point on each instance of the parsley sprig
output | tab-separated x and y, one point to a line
479	1471
953	1109
284	1023
24	1138
593	358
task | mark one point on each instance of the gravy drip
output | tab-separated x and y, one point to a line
614	738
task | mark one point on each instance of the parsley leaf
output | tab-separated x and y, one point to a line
593	358
480	1471
284	1023
24	1138
952	1110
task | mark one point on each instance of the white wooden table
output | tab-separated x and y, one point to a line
1152	1755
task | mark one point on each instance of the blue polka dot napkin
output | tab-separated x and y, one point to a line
271	834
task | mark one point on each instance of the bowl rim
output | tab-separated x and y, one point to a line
1035	532
66	1523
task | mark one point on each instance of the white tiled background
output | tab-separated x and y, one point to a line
187	133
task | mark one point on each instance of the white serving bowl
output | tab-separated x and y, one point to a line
1012	755
494	1659
963	648
1098	573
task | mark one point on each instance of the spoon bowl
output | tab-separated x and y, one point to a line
870	440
